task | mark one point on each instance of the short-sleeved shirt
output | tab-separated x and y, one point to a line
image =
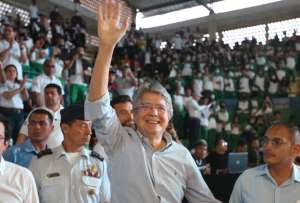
257	185
16	101
41	81
21	154
13	56
58	180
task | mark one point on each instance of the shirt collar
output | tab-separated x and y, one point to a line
28	147
2	165
60	152
166	136
263	170
55	114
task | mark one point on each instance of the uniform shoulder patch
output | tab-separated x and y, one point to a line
96	155
44	153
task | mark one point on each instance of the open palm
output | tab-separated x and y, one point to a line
109	29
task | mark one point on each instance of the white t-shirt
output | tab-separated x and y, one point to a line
16	101
223	116
198	86
229	85
244	84
291	62
187	69
13	56
178	43
73	157
178	102
34	11
59	66
243	106
260	82
273	87
218	82
41	81
17	184
77	78
208	84
281	73
212	123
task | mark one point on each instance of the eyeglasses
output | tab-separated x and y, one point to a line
146	107
275	142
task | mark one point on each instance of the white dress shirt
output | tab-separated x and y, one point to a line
17	184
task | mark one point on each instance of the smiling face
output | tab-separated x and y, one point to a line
124	112
151	115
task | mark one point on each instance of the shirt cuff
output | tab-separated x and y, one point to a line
96	109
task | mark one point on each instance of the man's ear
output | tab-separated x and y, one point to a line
61	98
64	127
6	144
296	150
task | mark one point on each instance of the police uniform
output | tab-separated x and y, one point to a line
59	181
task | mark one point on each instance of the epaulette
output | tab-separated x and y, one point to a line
44	153
96	155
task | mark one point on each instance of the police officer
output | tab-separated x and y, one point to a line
70	173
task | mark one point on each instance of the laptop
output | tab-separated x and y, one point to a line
237	162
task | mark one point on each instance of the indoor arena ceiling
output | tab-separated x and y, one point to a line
154	7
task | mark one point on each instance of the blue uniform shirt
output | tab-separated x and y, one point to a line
257	185
21	154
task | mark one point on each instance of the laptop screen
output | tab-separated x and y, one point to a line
237	162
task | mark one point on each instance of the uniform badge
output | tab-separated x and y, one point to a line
91	171
92	191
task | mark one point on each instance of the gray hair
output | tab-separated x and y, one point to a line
154	87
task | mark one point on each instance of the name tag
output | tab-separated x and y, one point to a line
51	175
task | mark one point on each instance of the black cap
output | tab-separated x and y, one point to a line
200	142
72	113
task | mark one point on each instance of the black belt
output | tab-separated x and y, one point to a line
10	110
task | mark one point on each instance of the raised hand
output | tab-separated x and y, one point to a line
110	30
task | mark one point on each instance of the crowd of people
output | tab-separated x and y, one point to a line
131	149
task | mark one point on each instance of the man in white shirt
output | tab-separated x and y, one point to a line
10	50
17	184
79	70
53	98
41	81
